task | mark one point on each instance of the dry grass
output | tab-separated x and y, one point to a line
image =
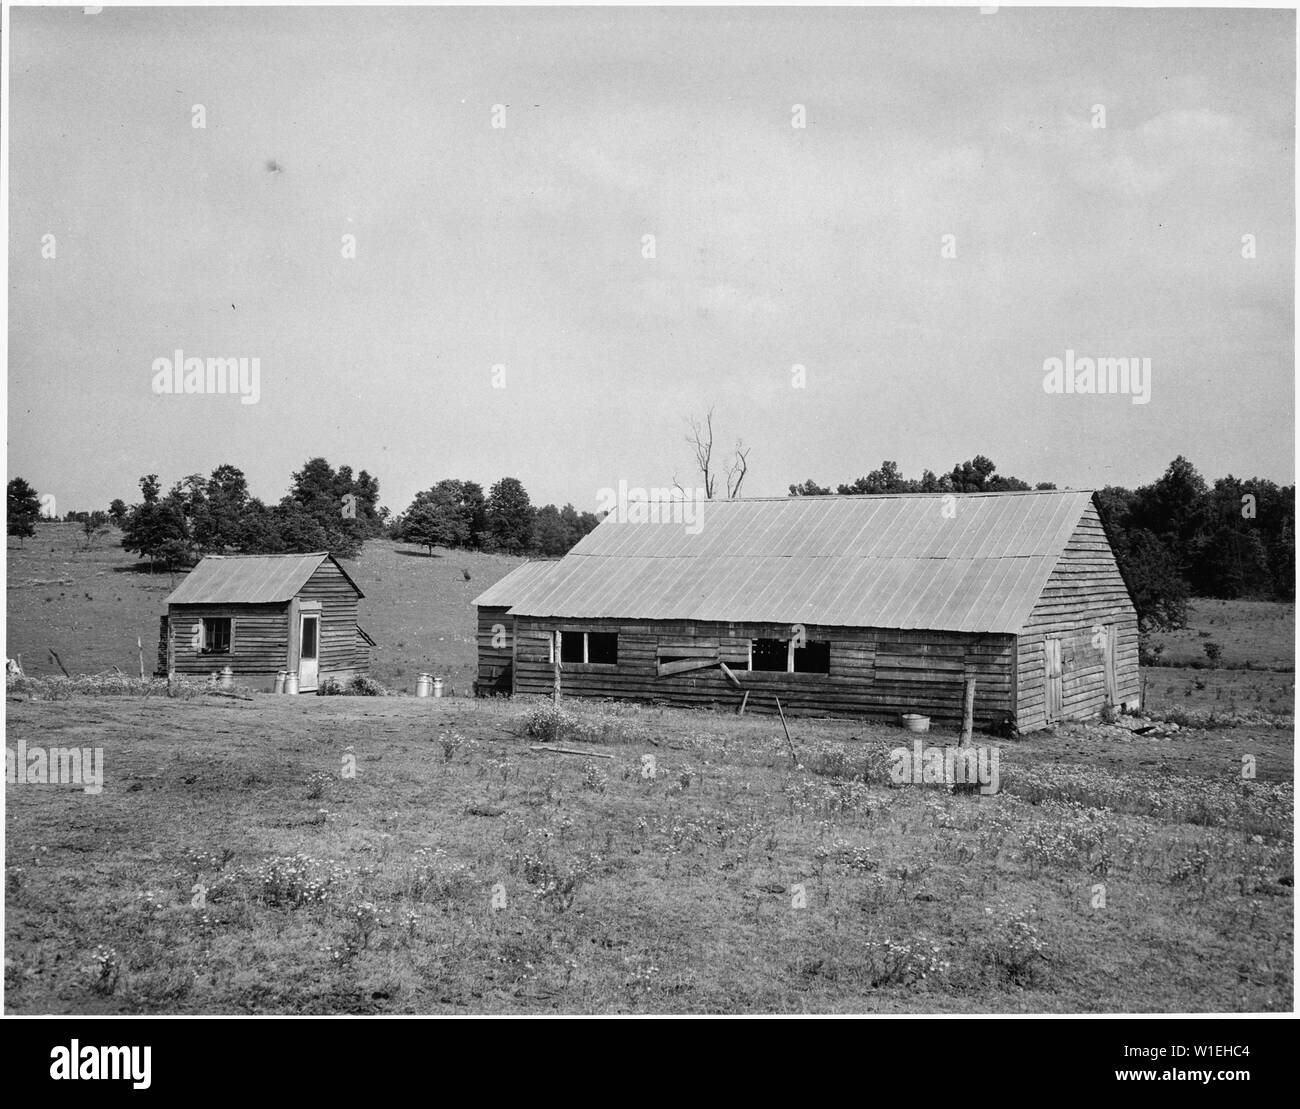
458	871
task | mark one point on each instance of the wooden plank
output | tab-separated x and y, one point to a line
667	669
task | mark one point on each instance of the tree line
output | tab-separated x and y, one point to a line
324	510
456	513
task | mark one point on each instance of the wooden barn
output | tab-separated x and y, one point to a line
860	605
496	627
260	614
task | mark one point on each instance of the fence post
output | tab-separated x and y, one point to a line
968	713
556	693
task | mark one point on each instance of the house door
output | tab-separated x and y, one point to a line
1055	692
309	655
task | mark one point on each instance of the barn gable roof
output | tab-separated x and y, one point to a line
516	583
251	579
889	561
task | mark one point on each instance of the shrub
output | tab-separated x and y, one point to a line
546	722
59	688
359	685
599	722
356	686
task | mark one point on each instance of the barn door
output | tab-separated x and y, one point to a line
1112	696
309	655
1055	694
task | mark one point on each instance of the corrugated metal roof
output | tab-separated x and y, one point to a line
249	579
895	561
515	584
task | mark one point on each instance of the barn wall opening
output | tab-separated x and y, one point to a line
812	658
770	654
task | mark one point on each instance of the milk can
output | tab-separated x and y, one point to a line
437	687
227	678
423	684
291	683
279	680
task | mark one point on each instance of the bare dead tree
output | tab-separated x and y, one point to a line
700	440
737	468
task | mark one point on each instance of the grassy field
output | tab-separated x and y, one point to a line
459	870
1254	634
233	864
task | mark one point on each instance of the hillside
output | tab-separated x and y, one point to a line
90	605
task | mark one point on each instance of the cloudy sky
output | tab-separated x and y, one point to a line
522	246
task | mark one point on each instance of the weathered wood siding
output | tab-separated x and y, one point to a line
340	646
873	672
259	638
1084	594
495	652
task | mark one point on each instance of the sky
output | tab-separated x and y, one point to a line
970	196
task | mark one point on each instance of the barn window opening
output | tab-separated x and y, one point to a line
770	654
812	658
573	646
602	647
599	647
216	635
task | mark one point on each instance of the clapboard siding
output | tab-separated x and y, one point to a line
259	639
922	671
496	635
1084	593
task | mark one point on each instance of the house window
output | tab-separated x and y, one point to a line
782	656
216	635
589	647
770	654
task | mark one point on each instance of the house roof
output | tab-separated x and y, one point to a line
977	563
250	579
516	583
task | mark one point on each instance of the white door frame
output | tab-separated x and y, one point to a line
308	666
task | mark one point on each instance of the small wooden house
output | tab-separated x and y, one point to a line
865	605
260	614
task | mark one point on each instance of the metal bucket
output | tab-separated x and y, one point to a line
291	683
437	687
915	722
279	680
423	685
